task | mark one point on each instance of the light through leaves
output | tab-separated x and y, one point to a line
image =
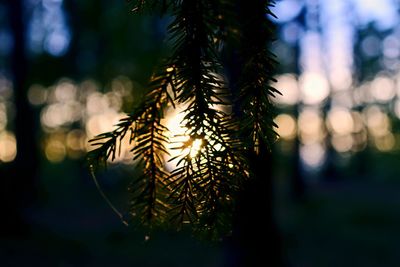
181	143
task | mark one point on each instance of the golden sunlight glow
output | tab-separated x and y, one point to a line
176	135
180	142
195	147
55	149
125	156
343	143
377	121
310	125
385	143
8	147
286	126
75	141
340	121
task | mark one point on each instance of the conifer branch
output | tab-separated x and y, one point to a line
147	197
202	181
149	139
202	187
162	5
108	145
257	74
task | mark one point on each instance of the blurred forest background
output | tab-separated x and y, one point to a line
70	69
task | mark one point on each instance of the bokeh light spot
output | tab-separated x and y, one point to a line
37	95
310	125
340	121
383	89
8	147
385	143
288	86
377	121
314	88
342	143
286	126
313	155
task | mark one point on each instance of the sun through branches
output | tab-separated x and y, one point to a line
193	161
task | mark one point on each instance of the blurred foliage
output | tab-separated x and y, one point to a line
107	41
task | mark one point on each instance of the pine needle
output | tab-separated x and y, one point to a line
104	196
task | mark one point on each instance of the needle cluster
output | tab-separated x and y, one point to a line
202	187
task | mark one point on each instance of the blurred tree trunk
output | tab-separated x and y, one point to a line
255	238
18	189
298	185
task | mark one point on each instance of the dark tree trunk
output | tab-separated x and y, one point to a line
255	238
18	189
298	186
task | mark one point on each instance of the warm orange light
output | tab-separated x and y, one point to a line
8	147
286	126
195	147
55	149
340	121
385	143
377	121
342	143
310	123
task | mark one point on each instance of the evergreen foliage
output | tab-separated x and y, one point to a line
202	188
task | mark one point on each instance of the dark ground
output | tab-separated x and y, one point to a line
352	221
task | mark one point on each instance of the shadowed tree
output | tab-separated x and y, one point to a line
19	189
254	222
